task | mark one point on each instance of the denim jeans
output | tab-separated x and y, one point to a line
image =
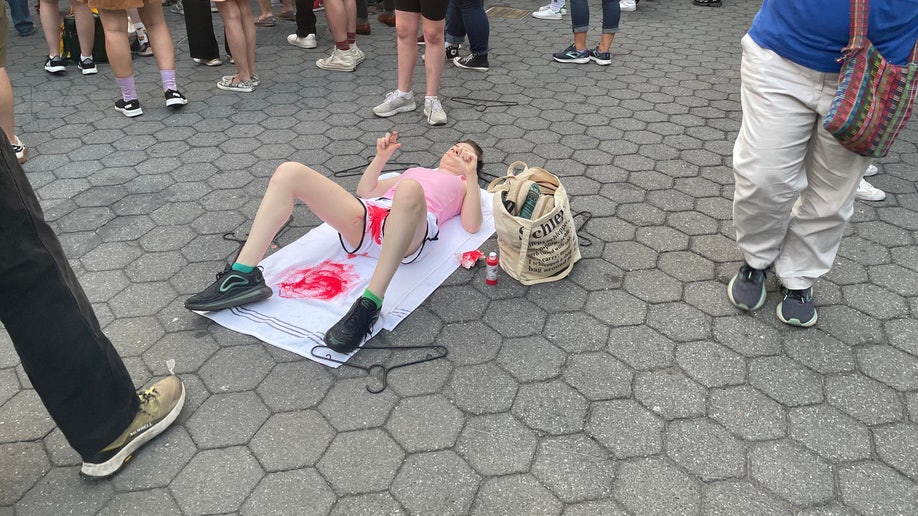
19	14
468	17
73	367
580	15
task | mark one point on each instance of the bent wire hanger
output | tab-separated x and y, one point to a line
379	371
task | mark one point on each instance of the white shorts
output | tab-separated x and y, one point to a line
375	213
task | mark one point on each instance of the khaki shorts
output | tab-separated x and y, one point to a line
375	213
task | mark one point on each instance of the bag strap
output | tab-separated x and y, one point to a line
857	25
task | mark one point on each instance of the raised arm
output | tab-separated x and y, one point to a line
470	213
370	185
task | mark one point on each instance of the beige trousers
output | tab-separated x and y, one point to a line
795	183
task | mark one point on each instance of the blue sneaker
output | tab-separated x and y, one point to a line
747	289
600	58
572	55
797	308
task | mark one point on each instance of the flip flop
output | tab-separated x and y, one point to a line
266	22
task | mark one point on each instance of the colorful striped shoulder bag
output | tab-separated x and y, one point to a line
874	98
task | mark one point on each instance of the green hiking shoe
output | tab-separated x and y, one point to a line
159	406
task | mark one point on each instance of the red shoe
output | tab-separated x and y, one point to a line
318	5
363	29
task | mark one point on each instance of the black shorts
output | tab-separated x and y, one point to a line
434	10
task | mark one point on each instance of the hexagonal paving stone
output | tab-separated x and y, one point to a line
237	368
598	376
301	491
574	468
291	440
553	407
425	423
791	472
530	359
216	481
711	364
470	343
654	486
295	385
515	317
515	494
575	332
249	414
732	497
349	406
897	445
747	413
626	428
24	417
435	483
747	336
158	463
362	461
641	347
887	364
670	394
785	381
497	444
62	490
829	433
140	502
372	504
863	398
872	488
482	389
24	464
820	352
705	449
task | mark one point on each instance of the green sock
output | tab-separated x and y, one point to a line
373	297
245	269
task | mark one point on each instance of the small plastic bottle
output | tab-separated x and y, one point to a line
491	275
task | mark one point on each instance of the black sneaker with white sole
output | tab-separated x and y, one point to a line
473	62
232	288
130	109
87	66
174	99
55	64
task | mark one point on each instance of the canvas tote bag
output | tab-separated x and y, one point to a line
544	246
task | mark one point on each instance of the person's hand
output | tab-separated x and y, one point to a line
387	145
469	162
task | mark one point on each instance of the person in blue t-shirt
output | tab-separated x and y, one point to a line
795	184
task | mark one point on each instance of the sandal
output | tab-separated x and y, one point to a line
708	3
266	22
288	15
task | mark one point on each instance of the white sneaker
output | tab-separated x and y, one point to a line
20	149
628	5
394	105
872	170
868	192
339	61
307	42
358	54
433	110
547	13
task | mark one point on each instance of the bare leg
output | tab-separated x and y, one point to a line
248	30
433	54
7	111
580	40
117	46
235	36
337	15
265	7
328	200
350	8
406	29
160	38
86	27
605	43
50	21
405	229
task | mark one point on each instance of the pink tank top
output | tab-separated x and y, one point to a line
442	191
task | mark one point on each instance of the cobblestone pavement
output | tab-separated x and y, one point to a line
632	387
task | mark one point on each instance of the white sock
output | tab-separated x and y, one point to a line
401	93
82	57
556	5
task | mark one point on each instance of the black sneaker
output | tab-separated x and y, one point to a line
747	289
232	288
473	62
797	308
174	99
130	108
55	64
354	328
159	406
452	52
87	66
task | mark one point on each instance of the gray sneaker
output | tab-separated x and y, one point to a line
394	105
747	289
797	308
433	110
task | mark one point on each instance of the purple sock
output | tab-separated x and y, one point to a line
168	77
128	92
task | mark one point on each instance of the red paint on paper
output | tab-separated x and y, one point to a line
376	216
325	281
